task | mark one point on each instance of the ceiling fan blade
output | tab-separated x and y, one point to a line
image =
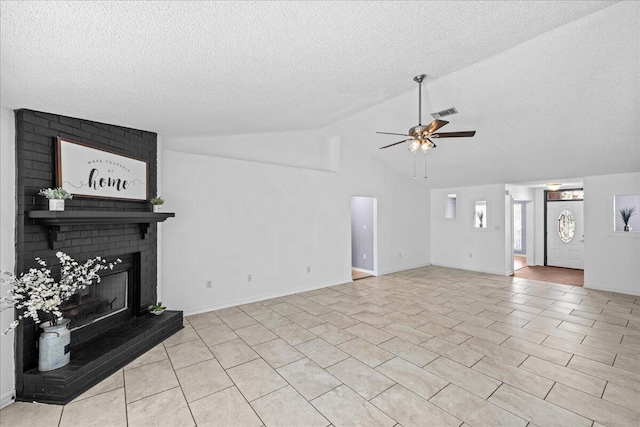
465	134
435	125
390	133
395	143
434	144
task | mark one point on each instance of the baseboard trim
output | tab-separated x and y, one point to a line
457	267
241	301
616	290
396	270
7	399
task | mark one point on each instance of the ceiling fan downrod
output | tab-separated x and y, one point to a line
419	79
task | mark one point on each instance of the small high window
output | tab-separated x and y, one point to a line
450	212
566	226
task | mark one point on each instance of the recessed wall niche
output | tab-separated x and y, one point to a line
480	219
451	206
626	207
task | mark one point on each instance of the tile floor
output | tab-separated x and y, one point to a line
424	347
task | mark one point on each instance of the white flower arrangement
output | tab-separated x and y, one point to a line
37	292
55	193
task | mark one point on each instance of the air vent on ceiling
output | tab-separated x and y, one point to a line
444	113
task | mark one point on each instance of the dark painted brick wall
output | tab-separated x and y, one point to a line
35	158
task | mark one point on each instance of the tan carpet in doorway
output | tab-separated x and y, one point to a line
566	276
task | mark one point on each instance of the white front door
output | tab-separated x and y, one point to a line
565	234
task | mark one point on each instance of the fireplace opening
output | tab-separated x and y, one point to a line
98	301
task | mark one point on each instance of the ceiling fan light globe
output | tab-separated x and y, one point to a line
414	147
425	146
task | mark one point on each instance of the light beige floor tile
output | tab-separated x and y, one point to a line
535	410
518	332
516	377
616	329
610	373
362	379
272	320
499	352
294	334
483	333
417	380
567	318
599	317
369	333
309	379
255	379
438	319
278	353
448	334
549	326
473	410
285	309
226	408
156	354
233	353
592	332
407	333
26	414
202	379
439	345
625	349
589	406
543	352
114	381
216	334
286	408
183	335
255	309
411	410
321	352
340	320
372	319
631	364
503	318
343	407
149	379
565	375
255	334
479	321
306	320
464	355
471	380
188	353
238	320
227	311
622	396
153	410
203	320
417	355
581	350
366	352
106	409
405	319
331	334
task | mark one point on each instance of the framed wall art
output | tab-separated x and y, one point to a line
91	172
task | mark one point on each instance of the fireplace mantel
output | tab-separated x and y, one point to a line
58	222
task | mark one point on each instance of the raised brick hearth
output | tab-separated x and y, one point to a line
120	338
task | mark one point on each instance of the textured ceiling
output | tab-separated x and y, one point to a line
218	68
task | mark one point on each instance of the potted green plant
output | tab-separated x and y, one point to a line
56	197
157	203
625	215
157	308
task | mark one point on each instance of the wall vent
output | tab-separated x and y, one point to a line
444	113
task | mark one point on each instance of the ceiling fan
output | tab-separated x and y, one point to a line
422	135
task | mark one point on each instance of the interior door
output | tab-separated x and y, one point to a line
565	234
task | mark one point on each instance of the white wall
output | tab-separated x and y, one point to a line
454	240
7	249
538	218
610	258
236	217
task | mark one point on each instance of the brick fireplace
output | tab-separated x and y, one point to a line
103	338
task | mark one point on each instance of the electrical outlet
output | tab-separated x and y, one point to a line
249	277
308	269
209	284
364	256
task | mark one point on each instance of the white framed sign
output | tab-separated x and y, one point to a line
91	172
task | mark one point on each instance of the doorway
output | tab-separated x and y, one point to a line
519	235
564	237
363	237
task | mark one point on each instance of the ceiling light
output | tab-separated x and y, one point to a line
553	186
414	147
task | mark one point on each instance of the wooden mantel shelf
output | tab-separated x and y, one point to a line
58	222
